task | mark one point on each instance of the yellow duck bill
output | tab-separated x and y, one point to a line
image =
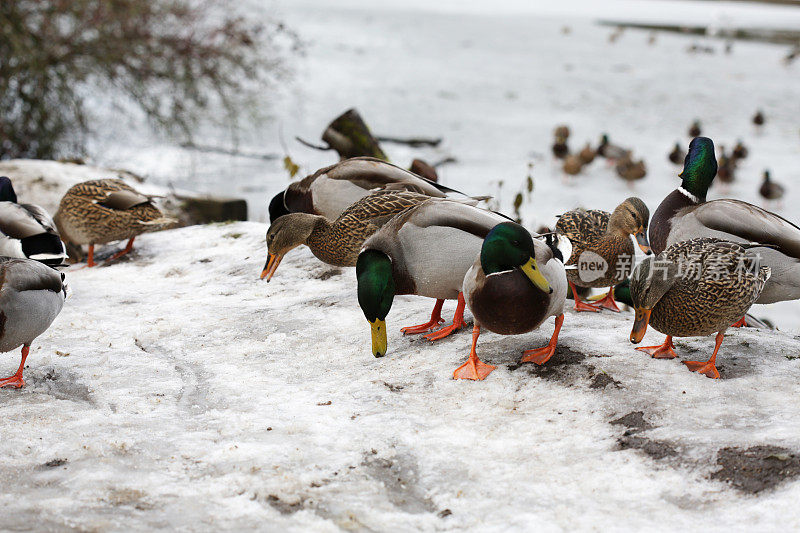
640	325
379	342
272	265
531	269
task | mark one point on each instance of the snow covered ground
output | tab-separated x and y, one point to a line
178	391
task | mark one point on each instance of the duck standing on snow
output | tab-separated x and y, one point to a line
572	165
597	248
758	119
677	155
426	250
31	296
560	148
101	211
331	190
770	190
515	284
631	170
611	151
740	151
694	129
685	214
587	154
694	288
27	230
335	242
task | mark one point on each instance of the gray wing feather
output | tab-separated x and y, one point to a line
18	222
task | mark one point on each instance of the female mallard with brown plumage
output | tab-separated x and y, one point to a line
600	252
101	211
335	242
515	284
331	190
694	288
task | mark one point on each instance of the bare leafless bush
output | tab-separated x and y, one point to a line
174	59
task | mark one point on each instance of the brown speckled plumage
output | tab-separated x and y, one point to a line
592	231
102	211
715	288
339	242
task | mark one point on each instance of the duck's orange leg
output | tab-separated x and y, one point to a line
580	305
90	260
458	322
741	323
122	252
436	319
607	302
664	351
707	367
16	380
541	355
474	368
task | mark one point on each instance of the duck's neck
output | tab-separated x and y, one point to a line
661	224
329	244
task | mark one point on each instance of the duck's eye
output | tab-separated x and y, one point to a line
515	243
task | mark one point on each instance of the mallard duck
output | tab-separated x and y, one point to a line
572	164
101	211
422	168
694	129
331	190
694	288
335	242
770	190
561	132
515	284
599	251
27	230
610	151
726	168
758	118
740	151
587	154
677	155
426	250
685	214
631	170
31	296
560	148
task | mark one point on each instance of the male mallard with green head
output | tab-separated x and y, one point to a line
335	242
515	284
694	288
425	250
599	251
685	214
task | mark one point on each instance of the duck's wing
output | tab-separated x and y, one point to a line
18	222
739	221
380	206
41	216
28	275
583	227
123	199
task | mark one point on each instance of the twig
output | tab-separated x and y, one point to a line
227	151
319	147
411	141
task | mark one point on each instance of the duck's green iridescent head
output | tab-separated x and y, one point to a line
507	246
699	167
376	291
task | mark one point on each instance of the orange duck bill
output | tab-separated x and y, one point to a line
640	325
272	265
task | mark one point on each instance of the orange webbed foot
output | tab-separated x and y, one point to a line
663	351
473	369
607	302
583	306
14	381
741	323
421	328
707	368
538	356
445	331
